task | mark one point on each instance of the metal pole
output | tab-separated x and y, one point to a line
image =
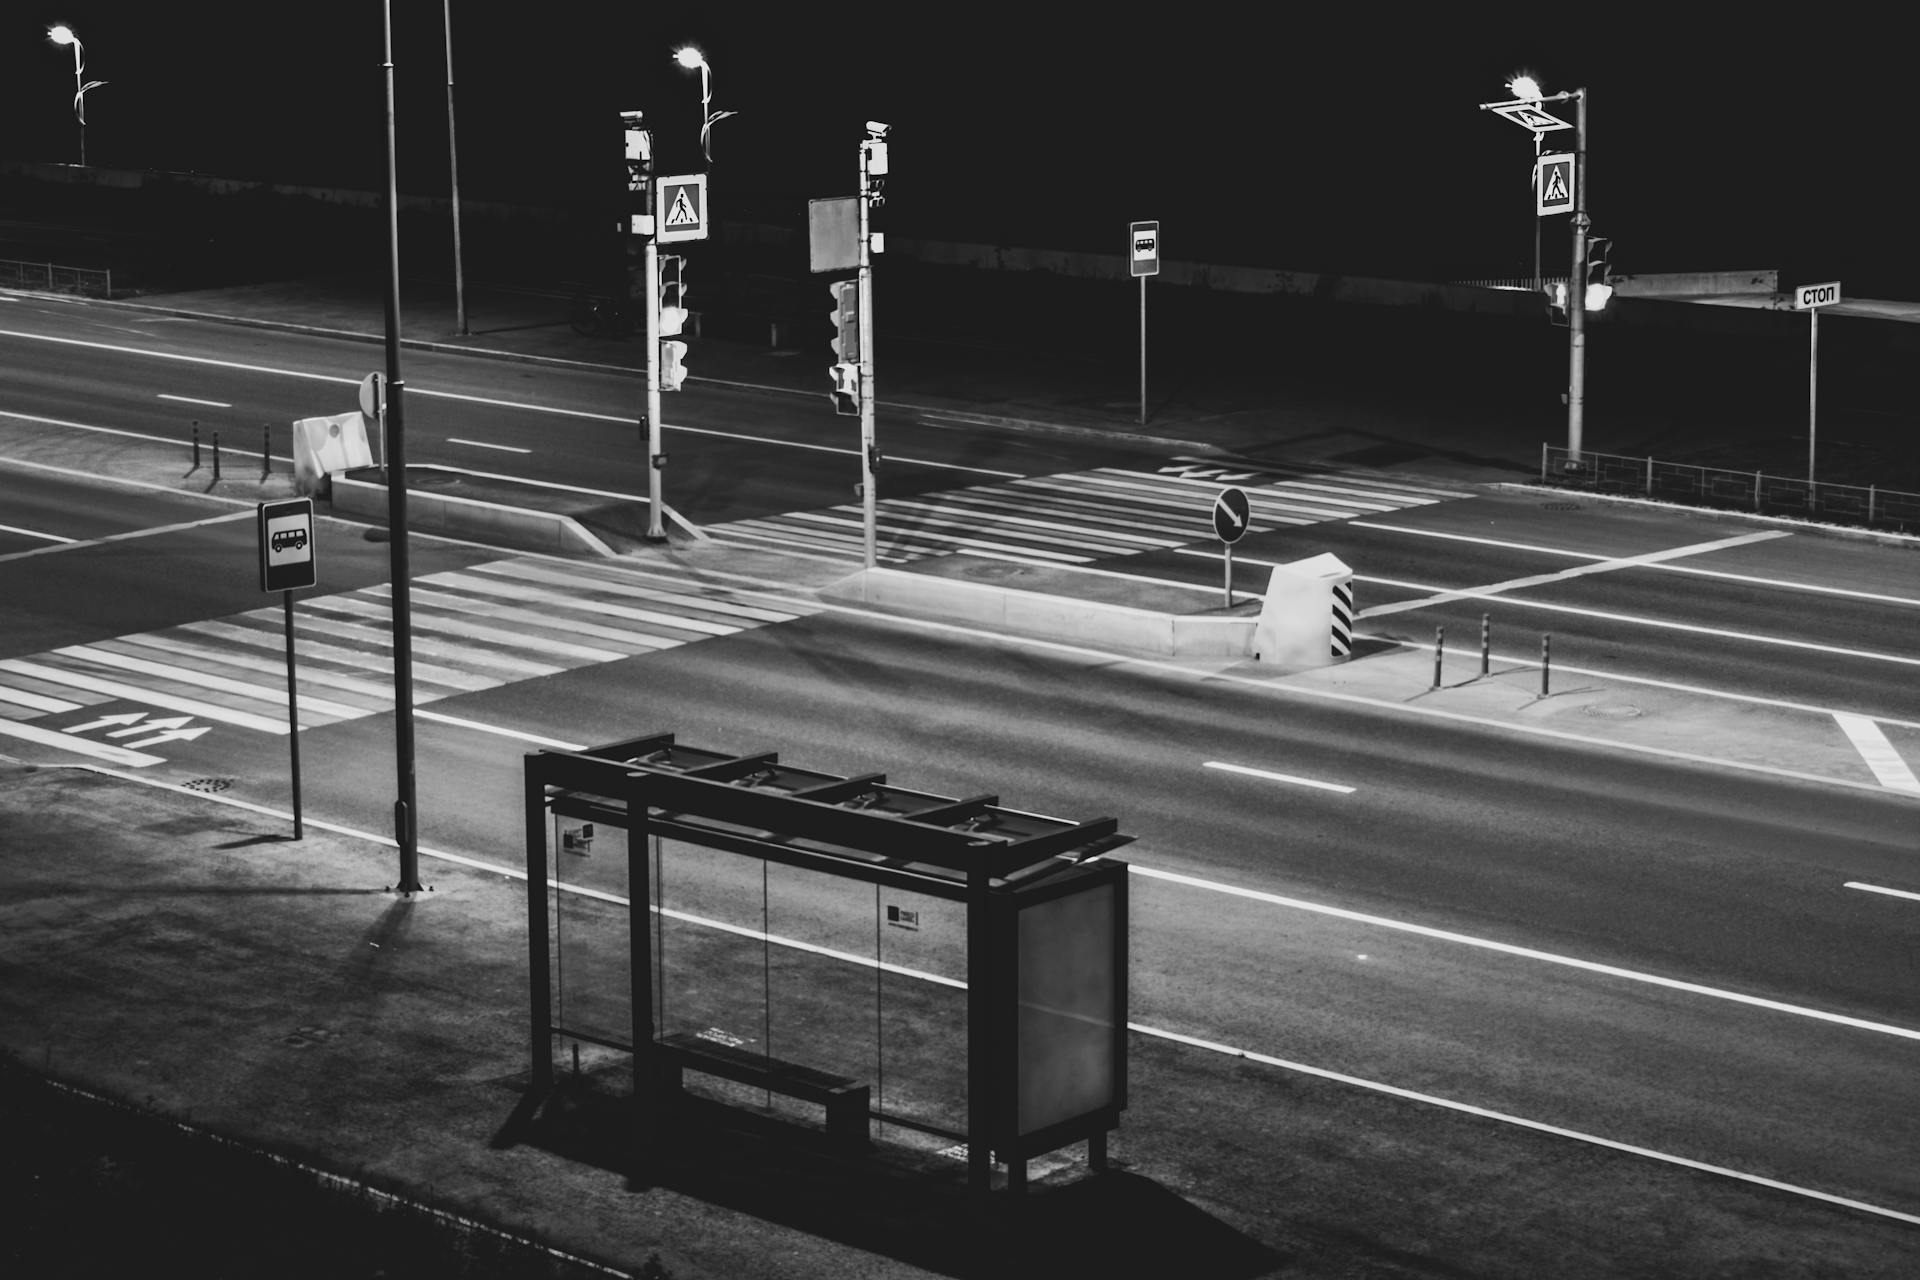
1813	382
1577	288
293	718
216	455
79	103
1439	645
1486	643
650	256
1143	350
405	805
266	455
1546	660
870	511
1227	562
1535	211
453	172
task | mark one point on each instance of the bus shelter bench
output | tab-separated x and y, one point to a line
847	1102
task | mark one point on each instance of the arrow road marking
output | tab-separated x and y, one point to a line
187	735
128	718
172	722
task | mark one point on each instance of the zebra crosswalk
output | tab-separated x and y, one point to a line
473	628
1078	517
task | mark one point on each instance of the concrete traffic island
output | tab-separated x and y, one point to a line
1064	603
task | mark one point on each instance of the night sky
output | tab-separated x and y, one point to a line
1347	144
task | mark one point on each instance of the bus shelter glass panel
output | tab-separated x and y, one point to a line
922	1010
587	937
710	950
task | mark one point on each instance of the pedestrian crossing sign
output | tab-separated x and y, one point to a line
680	208
1553	190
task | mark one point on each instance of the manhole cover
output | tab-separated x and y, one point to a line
208	784
432	480
1611	710
1559	506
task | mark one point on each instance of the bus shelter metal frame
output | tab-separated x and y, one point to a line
996	861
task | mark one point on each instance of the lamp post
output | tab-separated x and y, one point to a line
453	173
690	57
63	34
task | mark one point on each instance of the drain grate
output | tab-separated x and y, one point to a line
208	784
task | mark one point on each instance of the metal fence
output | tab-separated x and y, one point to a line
54	278
1870	506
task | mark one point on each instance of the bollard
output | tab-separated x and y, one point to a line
1546	660
1439	643
266	456
216	455
196	444
1486	643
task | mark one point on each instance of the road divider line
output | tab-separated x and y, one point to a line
1138	1028
34	533
1278	777
1538	1126
1525	953
1886	763
1875	888
1445	595
1642	560
482	444
1748	578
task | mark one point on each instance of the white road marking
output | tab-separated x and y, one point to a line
1278	777
1527	953
1878	752
33	533
1631	619
1750	579
1579	571
1874	888
211	404
482	444
83	746
37	701
1139	1028
588	415
152	697
1501	1117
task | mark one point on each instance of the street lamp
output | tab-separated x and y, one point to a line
690	57
1525	88
63	34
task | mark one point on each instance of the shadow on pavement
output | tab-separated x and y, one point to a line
909	1205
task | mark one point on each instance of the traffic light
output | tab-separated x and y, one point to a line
673	294
846	321
1599	272
1556	295
673	365
846	388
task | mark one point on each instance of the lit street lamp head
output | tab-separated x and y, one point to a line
62	34
1525	87
689	57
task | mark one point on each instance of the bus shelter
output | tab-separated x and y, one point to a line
945	964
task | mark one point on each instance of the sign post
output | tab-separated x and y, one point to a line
373	403
1230	516
1143	259
286	562
1810	298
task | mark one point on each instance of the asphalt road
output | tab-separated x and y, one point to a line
1660	952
